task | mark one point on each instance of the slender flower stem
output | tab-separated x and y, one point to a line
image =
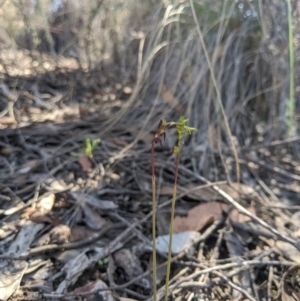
172	227
153	223
181	129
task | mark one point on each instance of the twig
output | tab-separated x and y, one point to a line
137	232
66	246
269	285
244	211
204	236
234	286
243	265
275	169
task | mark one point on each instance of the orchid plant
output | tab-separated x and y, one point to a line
181	129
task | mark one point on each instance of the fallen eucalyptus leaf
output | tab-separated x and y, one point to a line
131	264
97	285
92	218
288	251
25	237
100	204
10	277
45	205
199	216
236	250
181	241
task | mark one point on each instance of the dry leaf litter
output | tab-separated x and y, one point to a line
78	227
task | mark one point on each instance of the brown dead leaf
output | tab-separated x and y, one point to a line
85	163
91	217
45	205
60	234
288	251
39	218
238	217
94	286
79	233
199	216
131	265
